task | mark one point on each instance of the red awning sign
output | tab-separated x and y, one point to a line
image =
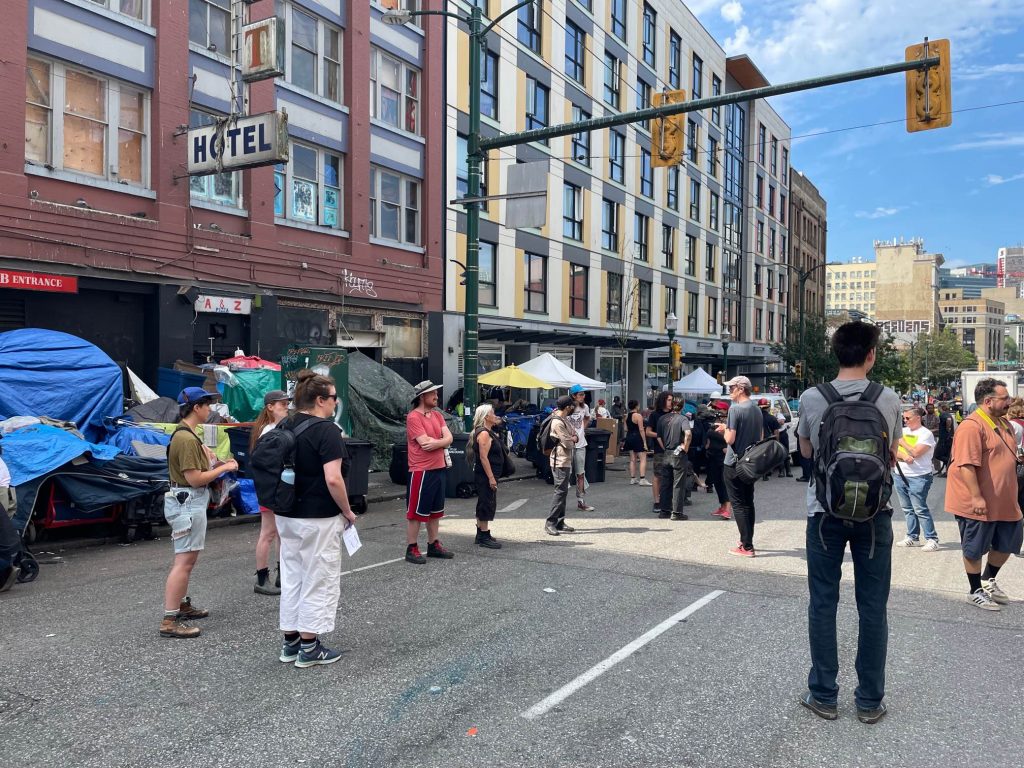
36	281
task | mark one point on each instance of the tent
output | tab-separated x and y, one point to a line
549	368
698	382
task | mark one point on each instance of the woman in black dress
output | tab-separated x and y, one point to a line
487	454
636	444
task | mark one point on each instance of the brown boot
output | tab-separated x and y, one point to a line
189	612
171	627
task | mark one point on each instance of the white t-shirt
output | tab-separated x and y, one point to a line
579	420
5	477
922	465
602	412
267	428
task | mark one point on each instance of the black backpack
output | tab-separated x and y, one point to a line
546	441
275	452
852	466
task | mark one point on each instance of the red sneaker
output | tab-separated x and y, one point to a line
726	514
739	551
718	512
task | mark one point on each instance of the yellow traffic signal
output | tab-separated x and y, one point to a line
929	91
675	361
668	134
720	378
798	370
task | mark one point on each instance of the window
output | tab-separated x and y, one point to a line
759	192
580	141
462	169
537	97
713	211
616	156
643	101
760	143
716	90
692	304
314	61
489	85
670	301
771	199
758	324
536	287
134	8
578	280
572	211
691	140
609	225
760	237
394	92
698	77
619	19
488	262
613	310
691	256
757	280
675	60
672	188
308	187
643	303
528	27
771	325
710	268
611	79
771	243
771	284
785	165
575	52
646	174
695	200
209	25
221	188
774	156
100	128
712	321
713	156
641	236
394	206
650	27
668	246
782	208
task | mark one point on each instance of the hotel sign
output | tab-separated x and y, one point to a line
37	281
238	142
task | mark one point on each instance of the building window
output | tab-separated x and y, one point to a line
760	143
670	301
760	237
220	188
394	206
488	281
691	256
394	92
771	284
758	324
646	174
774	156
641	236
716	90
314	58
782	208
757	280
489	85
771	243
650	35
710	268
528	27
616	156
575	52
759	192
643	101
692	305
609	225
771	325
668	246
771	199
581	140
785	165
462	169
691	141
698	77
308	187
643	303
712	319
611	80
675	60
102	128
713	211
537	98
619	19
694	200
572	211
713	156
134	8
672	188
209	25
613	310
578	282
536	287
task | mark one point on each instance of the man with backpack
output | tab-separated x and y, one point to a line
579	420
847	503
558	439
743	428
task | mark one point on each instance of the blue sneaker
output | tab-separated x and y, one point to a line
320	654
290	651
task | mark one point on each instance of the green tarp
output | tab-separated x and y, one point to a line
245	399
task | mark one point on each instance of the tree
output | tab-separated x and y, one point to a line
891	367
939	357
819	362
1010	349
624	326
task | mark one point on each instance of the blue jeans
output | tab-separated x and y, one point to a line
913	493
871	577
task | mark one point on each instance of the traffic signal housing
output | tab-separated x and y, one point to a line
675	361
668	134
929	91
798	370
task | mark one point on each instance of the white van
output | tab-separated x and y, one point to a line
778	406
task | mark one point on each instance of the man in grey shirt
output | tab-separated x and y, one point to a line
742	429
674	433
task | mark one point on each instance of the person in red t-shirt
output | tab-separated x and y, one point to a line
428	439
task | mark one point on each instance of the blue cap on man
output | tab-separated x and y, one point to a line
575	389
194	395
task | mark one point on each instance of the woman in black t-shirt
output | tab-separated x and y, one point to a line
486	453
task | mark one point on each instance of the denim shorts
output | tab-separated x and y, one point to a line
579	460
185	512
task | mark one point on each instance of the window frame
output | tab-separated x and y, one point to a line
644	293
322	188
711	320
692	139
692	311
375	173
208	44
646	174
528	28
672	188
648	43
716	90
209	196
697	84
710	262
117	6
580	142
404	101
773	157
609	216
762	135
321	59
641	237
528	260
572	211
576	59
714	204
535	88
691	256
668	246
643	101
617	157
492	284
695	200
712	166
575	300
675	59
617	10
671	299
613	309
612	85
489	62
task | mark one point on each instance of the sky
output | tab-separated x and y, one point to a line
959	188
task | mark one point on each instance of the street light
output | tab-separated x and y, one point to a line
726	338
671	323
474	158
674	359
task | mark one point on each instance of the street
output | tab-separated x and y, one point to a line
466	662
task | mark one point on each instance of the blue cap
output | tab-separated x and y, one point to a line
575	389
194	395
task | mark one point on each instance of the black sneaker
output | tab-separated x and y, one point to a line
563	528
664	514
320	654
413	555
680	516
824	711
434	549
484	539
290	650
656	509
872	716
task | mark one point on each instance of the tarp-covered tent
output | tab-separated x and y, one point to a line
48	373
244	396
698	382
549	368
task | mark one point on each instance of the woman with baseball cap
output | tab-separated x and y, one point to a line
275	409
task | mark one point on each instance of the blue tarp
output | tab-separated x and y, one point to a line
48	373
31	452
123	436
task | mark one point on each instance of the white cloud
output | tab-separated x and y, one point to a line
732	11
994	180
984	72
701	7
879	213
988	141
739	41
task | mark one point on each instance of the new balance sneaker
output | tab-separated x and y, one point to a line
739	551
908	542
188	612
930	546
318	654
872	716
824	711
413	555
434	549
645	482
980	599
582	506
993	591
290	650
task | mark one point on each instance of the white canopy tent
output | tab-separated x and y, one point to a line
549	368
697	382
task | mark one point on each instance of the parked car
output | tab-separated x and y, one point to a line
779	406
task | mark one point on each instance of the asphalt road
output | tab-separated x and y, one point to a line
455	663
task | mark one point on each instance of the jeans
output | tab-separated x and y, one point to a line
715	478
913	493
561	475
675	473
871	576
741	495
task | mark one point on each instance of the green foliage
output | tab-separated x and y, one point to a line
1010	349
940	357
891	367
819	363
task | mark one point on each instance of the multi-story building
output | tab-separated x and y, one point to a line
851	287
808	238
1010	266
906	287
100	95
971	283
624	244
977	322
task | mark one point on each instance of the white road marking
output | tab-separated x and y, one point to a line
375	565
513	506
625	652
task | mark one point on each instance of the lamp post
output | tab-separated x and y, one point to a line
671	323
726	338
802	277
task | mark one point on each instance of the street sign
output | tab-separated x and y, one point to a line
37	281
929	92
667	133
223	305
233	143
262	50
525	212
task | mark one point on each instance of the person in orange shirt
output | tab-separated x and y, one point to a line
981	491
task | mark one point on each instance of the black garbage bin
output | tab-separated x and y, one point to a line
597	447
460	483
398	470
238	440
357	479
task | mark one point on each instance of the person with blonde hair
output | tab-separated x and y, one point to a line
487	455
275	409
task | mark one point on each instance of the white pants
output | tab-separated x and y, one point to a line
310	554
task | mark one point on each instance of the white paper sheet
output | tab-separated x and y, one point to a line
351	538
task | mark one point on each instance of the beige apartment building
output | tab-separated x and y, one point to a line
906	288
808	238
978	323
850	288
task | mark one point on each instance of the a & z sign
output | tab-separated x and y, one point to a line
238	142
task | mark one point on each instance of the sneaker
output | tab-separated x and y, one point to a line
582	506
290	651
993	591
726	514
173	627
908	542
188	612
680	516
656	510
664	514
645	482
930	546
484	539
320	654
434	549
718	512
824	711
803	479
981	599
872	716
265	587
739	551
413	555
563	528
550	529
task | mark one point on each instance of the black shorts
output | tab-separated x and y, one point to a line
486	500
979	537
426	494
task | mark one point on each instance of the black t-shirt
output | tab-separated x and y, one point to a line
318	445
652	423
771	424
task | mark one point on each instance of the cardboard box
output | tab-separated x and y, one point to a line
612	425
